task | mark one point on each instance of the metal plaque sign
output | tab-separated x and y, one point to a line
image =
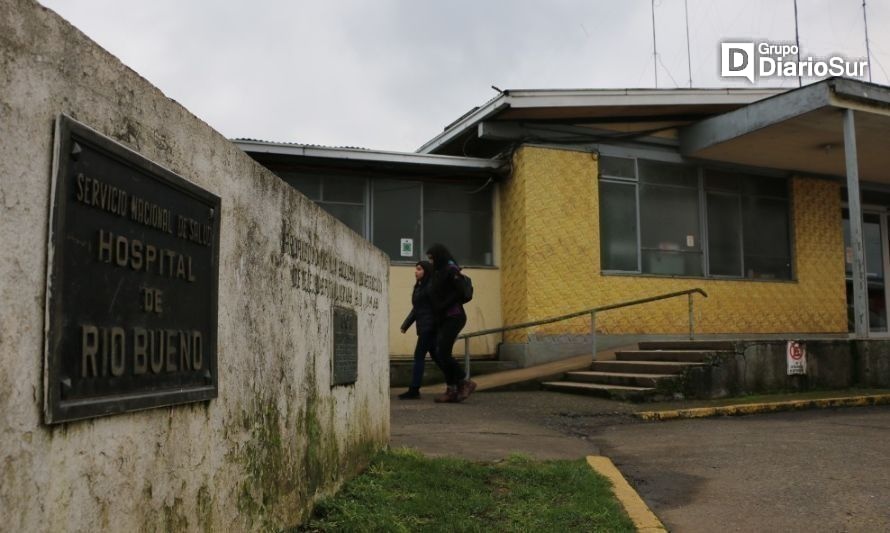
345	361
132	281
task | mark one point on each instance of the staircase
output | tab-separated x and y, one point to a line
655	371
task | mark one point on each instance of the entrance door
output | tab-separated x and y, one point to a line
877	261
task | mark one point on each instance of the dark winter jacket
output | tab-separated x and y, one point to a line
421	310
444	291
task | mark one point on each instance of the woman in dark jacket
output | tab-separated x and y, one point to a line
421	314
444	292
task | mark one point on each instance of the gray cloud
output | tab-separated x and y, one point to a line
391	74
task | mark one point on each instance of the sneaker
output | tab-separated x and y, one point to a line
410	394
449	396
465	389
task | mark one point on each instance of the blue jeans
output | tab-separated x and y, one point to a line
426	343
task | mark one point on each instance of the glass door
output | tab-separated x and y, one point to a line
877	257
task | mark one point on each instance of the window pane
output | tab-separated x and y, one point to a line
717	180
669	218
767	242
617	167
343	189
351	215
672	263
724	235
618	226
397	217
457	196
307	184
660	173
765	186
466	235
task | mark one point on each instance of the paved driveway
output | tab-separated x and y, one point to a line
824	470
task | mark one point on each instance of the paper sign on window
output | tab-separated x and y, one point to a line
407	248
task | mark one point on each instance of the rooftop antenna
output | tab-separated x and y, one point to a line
867	44
688	53
654	46
797	42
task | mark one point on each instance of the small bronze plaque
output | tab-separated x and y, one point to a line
345	361
132	282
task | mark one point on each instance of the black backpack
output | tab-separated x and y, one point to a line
465	288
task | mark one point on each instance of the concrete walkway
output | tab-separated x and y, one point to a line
493	425
815	470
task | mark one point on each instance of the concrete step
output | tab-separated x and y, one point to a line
616	392
623	379
687	345
683	356
642	367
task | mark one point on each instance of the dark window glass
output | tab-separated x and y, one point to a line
671	263
351	215
466	235
765	186
724	235
457	196
397	217
616	167
307	184
343	189
669	219
459	215
716	180
656	172
767	242
618	226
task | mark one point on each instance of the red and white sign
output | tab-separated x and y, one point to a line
796	355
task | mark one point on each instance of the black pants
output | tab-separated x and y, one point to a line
448	332
426	343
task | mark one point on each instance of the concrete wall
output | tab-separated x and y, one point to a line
278	435
551	262
761	367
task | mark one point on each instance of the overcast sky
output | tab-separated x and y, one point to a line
390	74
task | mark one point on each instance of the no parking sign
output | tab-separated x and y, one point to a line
796	355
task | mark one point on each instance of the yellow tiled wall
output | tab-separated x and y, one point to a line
551	262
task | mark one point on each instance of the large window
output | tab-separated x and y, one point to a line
673	219
342	196
456	214
407	216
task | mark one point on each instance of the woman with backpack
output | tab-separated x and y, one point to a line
422	315
448	289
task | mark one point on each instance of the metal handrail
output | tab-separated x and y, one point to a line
592	312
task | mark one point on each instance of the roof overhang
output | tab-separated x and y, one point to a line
800	131
577	106
327	157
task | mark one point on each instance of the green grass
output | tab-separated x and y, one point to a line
405	491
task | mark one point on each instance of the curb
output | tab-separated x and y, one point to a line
643	518
768	407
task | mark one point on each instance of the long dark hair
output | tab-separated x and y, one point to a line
440	255
427	271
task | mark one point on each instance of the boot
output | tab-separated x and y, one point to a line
465	389
413	393
449	396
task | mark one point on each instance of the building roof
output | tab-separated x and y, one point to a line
348	157
800	130
591	106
